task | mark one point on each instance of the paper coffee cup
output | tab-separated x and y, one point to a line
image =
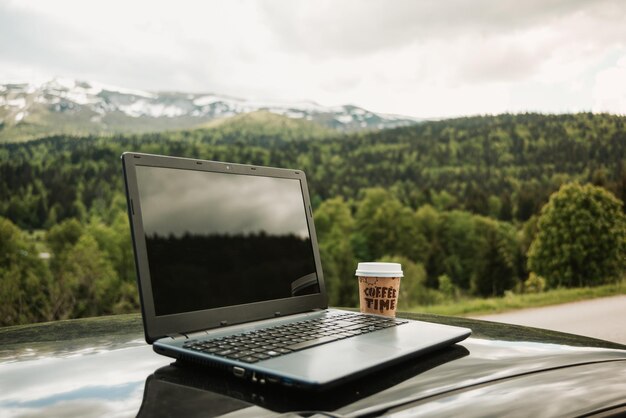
379	285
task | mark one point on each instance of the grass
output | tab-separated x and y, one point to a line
511	301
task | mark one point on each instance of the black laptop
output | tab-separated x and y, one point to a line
230	276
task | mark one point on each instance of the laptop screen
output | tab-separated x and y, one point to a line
216	239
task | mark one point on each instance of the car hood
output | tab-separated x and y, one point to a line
103	366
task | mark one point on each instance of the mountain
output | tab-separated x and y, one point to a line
262	125
78	107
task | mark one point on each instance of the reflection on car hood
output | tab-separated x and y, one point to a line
565	391
102	366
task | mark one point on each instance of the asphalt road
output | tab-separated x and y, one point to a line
603	318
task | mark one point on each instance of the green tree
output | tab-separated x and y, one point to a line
85	284
114	240
334	225
388	227
60	238
115	244
472	253
23	275
89	264
428	222
581	238
495	269
460	241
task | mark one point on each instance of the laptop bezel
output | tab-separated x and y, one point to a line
156	327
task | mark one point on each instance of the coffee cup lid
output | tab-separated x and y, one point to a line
379	270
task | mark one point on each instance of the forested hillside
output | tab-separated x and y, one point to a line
454	200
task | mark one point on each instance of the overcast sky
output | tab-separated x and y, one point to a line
420	58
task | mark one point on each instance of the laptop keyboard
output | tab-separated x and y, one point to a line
254	346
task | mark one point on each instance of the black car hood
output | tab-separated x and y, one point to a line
104	365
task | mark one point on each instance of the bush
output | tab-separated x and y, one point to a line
581	238
534	284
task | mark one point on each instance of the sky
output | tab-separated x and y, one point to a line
420	58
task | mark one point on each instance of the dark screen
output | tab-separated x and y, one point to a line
217	239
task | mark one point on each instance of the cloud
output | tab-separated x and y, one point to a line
609	90
354	26
25	37
113	43
467	41
397	57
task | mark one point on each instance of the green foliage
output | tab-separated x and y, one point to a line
476	254
534	284
23	277
92	269
456	200
115	242
495	269
457	241
449	290
388	227
466	164
581	238
334	224
61	238
86	282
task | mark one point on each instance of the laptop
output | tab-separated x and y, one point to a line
230	276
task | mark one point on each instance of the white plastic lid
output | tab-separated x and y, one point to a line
379	270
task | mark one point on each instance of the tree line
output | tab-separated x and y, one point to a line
504	167
457	201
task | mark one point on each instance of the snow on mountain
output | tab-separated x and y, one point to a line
97	107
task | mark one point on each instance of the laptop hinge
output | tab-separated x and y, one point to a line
189	335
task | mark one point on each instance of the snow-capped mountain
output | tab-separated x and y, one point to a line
70	106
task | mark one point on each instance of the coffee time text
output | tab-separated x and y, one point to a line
380	298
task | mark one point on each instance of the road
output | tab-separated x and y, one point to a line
603	318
